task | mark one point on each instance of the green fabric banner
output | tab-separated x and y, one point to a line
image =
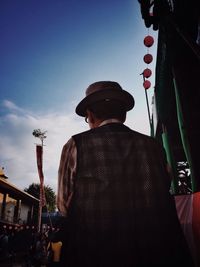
171	162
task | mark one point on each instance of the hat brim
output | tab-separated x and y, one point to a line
120	95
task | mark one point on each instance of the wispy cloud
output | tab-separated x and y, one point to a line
17	144
11	106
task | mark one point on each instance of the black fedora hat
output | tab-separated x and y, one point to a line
104	90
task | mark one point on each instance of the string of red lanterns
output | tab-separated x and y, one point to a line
147	84
148	41
148	58
147	73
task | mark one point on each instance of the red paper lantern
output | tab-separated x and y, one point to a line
148	41
147	84
148	58
147	73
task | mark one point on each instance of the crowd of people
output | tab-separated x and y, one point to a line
25	246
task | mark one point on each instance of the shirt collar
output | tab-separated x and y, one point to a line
109	121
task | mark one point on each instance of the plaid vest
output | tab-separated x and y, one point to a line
122	212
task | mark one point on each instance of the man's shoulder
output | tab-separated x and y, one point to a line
116	127
144	136
80	134
68	145
104	128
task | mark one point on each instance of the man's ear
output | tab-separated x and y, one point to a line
91	116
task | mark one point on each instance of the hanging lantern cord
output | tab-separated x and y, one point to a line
150	123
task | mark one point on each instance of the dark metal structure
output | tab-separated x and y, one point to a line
177	86
176	104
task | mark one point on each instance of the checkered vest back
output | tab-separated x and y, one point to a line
121	206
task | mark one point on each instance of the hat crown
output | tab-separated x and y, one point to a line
104	90
102	85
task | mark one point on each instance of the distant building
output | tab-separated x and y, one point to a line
16	206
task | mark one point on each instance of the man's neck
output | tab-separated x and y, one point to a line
110	121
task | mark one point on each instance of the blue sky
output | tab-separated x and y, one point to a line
50	51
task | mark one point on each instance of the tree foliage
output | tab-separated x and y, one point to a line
39	134
34	190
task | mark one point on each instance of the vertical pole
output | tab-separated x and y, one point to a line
149	116
41	194
39	215
148	107
3	207
39	151
40	202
